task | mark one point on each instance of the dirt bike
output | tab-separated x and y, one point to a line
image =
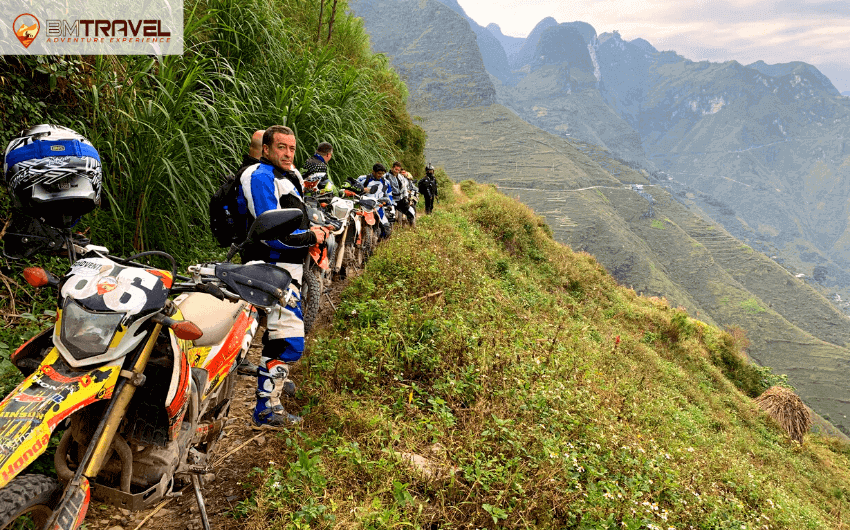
318	272
410	203
142	383
339	213
367	219
375	202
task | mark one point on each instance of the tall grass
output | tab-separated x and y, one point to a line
168	128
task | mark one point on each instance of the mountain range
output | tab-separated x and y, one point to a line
720	186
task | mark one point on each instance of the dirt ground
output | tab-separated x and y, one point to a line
240	449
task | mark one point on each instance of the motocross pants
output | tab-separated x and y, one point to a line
283	345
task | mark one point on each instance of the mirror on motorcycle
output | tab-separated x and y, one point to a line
38	277
275	224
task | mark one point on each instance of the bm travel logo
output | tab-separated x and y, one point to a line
91	27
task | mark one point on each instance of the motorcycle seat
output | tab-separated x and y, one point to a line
215	317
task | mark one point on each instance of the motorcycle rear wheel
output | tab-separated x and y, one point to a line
28	501
311	298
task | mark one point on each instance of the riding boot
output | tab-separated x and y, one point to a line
271	380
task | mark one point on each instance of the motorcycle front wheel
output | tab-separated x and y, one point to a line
28	501
369	240
311	297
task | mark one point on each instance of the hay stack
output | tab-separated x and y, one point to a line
787	409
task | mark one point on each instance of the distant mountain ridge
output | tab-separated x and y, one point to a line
492	52
763	149
510	44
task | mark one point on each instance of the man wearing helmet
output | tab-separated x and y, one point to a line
428	188
272	184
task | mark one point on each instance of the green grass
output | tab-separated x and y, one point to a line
544	395
752	305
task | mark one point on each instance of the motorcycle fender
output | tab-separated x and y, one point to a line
219	360
369	217
30	413
177	399
324	262
316	254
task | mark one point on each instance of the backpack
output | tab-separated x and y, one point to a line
228	226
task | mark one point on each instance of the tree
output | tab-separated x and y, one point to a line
319	30
331	23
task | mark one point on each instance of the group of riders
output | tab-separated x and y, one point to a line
268	180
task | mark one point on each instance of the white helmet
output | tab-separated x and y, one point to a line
53	172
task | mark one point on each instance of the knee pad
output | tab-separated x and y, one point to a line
287	350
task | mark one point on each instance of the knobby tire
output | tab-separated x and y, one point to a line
311	297
28	501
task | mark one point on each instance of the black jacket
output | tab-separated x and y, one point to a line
428	185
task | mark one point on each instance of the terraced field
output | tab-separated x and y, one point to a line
649	240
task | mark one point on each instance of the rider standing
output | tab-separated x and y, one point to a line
272	184
428	188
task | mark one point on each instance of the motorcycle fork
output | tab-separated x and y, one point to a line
70	511
341	249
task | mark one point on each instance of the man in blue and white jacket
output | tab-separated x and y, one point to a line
384	190
272	184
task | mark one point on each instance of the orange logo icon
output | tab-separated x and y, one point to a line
106	285
26	28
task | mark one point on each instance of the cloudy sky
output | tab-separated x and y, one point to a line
775	31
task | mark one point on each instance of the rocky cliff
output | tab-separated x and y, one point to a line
434	50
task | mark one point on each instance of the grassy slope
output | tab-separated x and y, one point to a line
675	253
558	398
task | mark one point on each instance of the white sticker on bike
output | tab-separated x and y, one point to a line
118	292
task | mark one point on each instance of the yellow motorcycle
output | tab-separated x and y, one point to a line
139	370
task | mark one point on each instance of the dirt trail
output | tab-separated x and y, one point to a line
459	195
223	493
